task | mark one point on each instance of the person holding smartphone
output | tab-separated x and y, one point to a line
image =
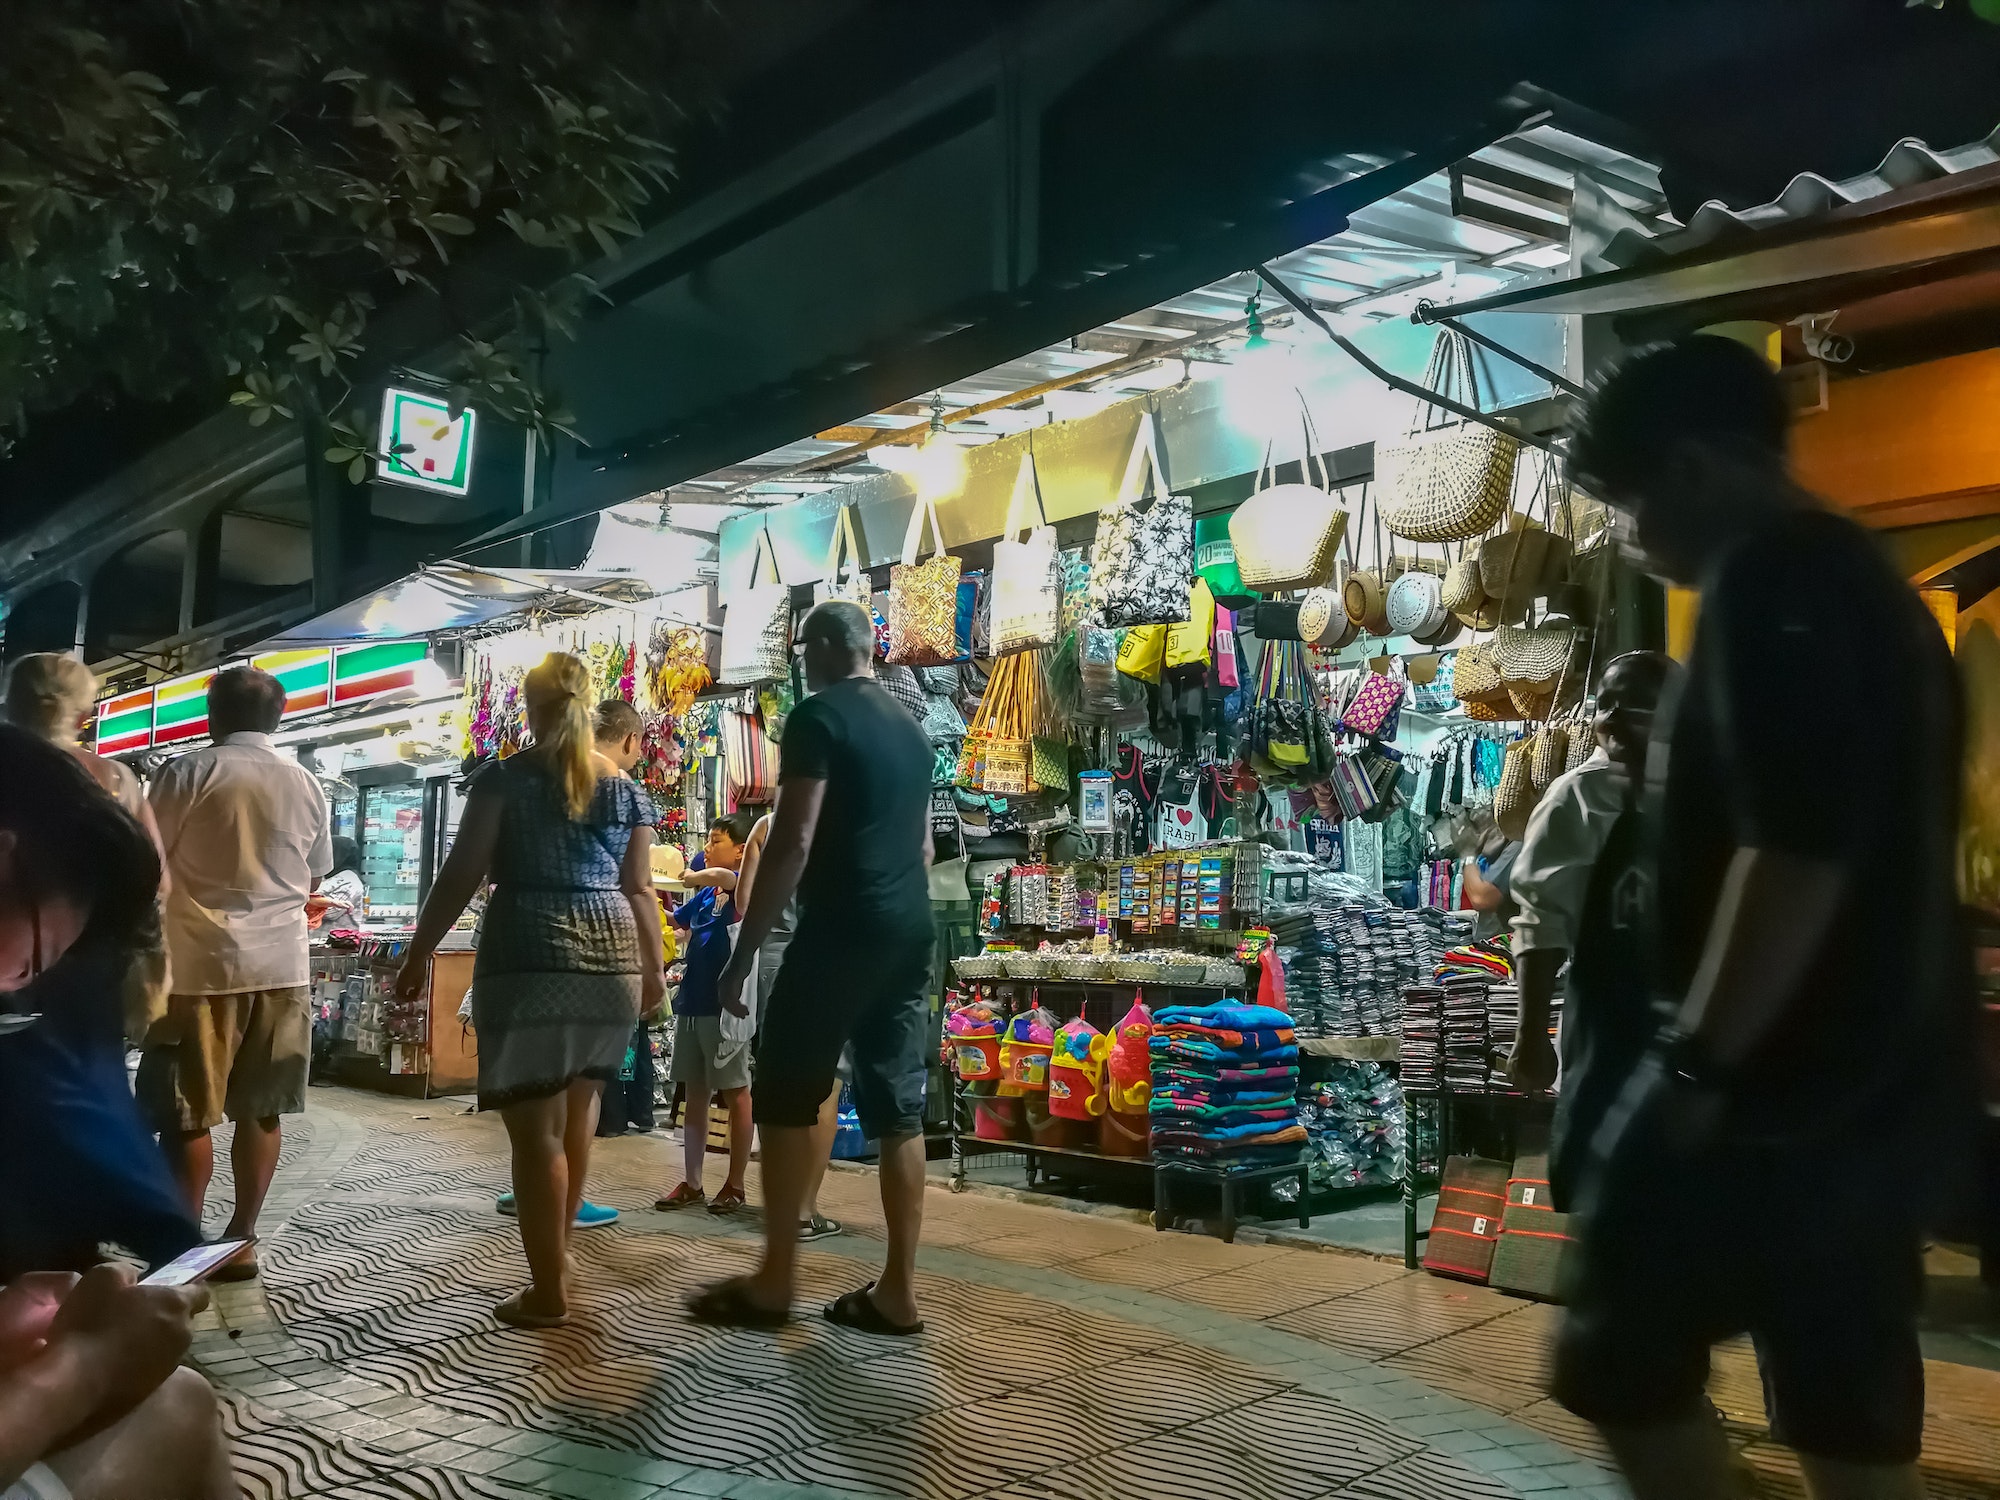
93	1402
78	877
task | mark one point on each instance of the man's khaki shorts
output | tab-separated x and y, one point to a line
243	1056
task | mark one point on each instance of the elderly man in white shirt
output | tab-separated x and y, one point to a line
1559	851
247	840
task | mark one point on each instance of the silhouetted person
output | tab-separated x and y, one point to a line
1765	1168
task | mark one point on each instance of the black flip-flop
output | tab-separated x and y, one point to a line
857	1310
727	1304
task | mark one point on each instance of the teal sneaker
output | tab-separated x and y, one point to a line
588	1215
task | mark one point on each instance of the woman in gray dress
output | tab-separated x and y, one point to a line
568	957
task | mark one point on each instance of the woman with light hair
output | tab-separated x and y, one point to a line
568	957
52	696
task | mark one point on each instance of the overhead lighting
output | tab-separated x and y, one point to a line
935	466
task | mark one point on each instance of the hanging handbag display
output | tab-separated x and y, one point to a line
1551	755
750	760
1378	697
1476	678
1415	605
1048	748
923	598
1322	618
1287	536
1003	766
1514	799
1026	591
1448	479
1142	563
855	587
757	624
1531	557
1191	642
1215	557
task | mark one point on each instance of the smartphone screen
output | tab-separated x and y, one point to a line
196	1264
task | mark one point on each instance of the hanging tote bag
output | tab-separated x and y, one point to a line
854	588
1191	642
1215	557
1379	696
757	625
1005	773
1142	561
1515	798
1048	749
1026	591
1448	479
923	598
1287	536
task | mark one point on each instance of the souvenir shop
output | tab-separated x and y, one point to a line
1207	769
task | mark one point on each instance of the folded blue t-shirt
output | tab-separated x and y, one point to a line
1229	1015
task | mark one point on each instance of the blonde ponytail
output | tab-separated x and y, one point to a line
560	717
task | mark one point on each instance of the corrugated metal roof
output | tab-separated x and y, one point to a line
1909	164
1499	217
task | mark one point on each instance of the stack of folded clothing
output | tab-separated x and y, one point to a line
1491	959
1466	1047
1225	1085
1423	1028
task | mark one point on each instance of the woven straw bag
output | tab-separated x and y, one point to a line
1461	589
923	598
1523	564
1451	628
1536	654
1476	677
1514	799
1486	713
1448	479
757	625
1366	601
1551	755
1415	605
1287	536
1531	701
1582	742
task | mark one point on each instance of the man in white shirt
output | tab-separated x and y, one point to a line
246	837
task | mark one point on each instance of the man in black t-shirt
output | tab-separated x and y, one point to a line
851	835
1765	1167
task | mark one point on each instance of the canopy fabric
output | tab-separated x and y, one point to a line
450	596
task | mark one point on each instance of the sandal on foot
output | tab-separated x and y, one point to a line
687	1195
818	1227
243	1268
857	1310
727	1201
728	1304
514	1314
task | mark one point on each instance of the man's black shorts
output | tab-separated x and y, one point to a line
1802	1248
841	984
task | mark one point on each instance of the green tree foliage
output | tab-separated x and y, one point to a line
244	195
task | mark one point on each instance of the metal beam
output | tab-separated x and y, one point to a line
1394	381
1426	312
995	330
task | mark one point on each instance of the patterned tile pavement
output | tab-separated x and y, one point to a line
1071	1356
